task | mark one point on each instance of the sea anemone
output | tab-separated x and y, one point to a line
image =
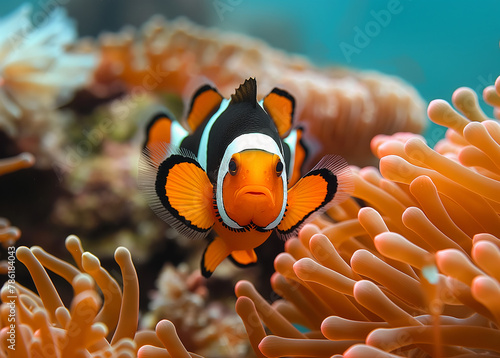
90	327
335	104
102	318
37	75
412	271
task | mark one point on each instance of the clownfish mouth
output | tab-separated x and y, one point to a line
256	191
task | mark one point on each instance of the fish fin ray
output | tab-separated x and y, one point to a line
329	182
177	189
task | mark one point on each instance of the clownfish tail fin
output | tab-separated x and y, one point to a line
330	182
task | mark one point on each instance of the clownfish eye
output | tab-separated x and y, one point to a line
233	168
279	168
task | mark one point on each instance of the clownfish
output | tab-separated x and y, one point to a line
237	171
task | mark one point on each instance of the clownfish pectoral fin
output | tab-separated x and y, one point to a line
329	182
178	189
205	102
280	106
214	254
243	258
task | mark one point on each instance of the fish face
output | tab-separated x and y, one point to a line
253	188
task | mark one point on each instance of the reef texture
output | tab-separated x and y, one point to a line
414	272
103	204
37	75
342	109
209	328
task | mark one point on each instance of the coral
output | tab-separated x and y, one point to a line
335	104
103	203
208	328
412	273
37	75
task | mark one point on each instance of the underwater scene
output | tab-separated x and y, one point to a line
240	179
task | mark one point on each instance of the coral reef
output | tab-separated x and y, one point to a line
103	203
335	104
413	273
37	76
211	329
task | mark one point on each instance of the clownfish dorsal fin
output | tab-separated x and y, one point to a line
328	183
246	92
280	105
177	189
205	102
